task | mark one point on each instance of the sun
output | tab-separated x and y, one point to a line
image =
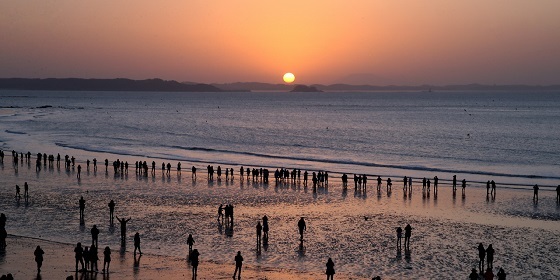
289	78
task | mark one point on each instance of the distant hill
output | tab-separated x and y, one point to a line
304	88
255	86
76	84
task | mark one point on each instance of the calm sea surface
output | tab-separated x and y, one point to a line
509	137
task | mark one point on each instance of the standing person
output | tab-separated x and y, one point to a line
501	274
463	185
330	269
194	262
473	275
410	184
407	234
79	171
123	222
221	213
536	192
265	226
259	234
454	183
238	264
94	162
111	211
137	243
558	193
481	255
193	170
490	256
25	190
190	242
106	259
436	181
93	257
94	235
79	255
39	257
82	203
302	227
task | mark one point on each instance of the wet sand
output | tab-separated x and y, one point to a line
356	229
18	260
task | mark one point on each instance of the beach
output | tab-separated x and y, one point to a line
355	228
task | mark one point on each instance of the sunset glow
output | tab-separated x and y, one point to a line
373	42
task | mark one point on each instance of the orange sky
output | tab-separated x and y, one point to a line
354	41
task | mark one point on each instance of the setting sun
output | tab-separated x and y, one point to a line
289	78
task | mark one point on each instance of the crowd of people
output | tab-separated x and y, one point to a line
88	256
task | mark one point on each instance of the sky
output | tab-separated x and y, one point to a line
375	42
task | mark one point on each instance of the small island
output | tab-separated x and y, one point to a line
304	88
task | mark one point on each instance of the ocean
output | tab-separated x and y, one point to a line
508	137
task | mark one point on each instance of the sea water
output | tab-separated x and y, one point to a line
509	137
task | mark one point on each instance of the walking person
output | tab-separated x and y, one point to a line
265	227
39	257
301	227
190	242
330	269
194	262
399	237
137	243
238	264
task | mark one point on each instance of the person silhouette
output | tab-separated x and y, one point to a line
488	275
481	255
379	182
487	187
473	275
78	255
490	256
137	243
3	220
238	265
18	193
330	269
193	170
25	190
399	237
221	213
94	235
106	259
39	257
82	203
558	193
93	257
194	262
454	183
265	226
111	211
407	234
463	185
302	227
79	171
123	222
536	192
190	242
389	185
259	234
501	274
